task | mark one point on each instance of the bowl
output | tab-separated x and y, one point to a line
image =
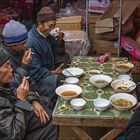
71	80
78	103
68	91
124	76
101	104
123	85
55	32
123	67
73	72
123	101
100	81
93	72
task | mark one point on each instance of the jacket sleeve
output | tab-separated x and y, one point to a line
32	96
13	119
18	75
36	70
58	48
132	131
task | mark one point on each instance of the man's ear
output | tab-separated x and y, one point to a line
39	24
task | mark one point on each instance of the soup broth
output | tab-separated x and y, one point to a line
68	93
122	103
123	67
101	82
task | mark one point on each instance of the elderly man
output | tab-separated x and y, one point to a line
15	36
17	120
46	50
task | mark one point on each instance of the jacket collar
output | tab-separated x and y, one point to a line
36	33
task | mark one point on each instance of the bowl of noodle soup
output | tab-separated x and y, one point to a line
123	101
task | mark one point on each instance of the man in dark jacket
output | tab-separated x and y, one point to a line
17	120
46	48
15	36
132	131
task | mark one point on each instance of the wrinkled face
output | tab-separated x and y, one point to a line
19	48
6	73
46	27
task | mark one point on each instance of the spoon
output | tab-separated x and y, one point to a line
69	72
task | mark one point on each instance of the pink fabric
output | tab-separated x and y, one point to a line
131	47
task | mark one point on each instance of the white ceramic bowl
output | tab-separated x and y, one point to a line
71	80
78	103
101	104
123	85
67	89
55	32
93	72
73	72
125	96
123	67
100	81
124	76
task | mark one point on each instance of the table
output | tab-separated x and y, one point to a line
63	113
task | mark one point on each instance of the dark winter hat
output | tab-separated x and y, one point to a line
4	56
46	14
14	33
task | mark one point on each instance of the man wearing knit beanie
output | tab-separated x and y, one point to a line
15	36
46	48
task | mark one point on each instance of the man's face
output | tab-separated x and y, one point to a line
6	73
19	48
46	27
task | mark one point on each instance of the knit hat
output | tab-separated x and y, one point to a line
4	56
46	14
14	33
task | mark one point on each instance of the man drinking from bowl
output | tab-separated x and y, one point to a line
47	51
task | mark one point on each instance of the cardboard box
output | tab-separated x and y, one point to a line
105	24
93	17
103	46
69	23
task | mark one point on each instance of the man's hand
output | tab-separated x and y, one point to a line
58	70
27	57
60	37
40	111
23	90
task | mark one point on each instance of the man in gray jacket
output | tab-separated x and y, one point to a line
17	120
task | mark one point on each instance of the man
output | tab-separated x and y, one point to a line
15	36
132	131
17	120
46	49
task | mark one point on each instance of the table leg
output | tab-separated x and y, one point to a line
112	134
81	133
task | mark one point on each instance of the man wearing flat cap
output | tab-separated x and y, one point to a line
46	49
17	119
